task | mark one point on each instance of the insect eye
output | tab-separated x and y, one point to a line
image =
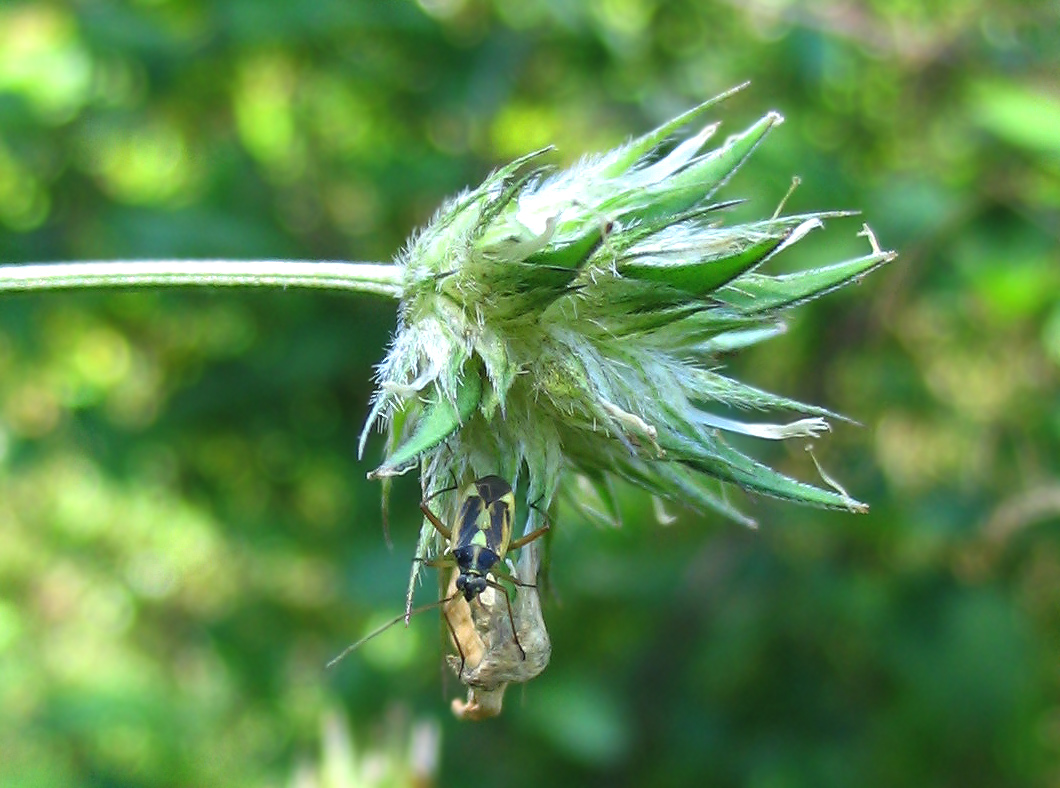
477	585
461	581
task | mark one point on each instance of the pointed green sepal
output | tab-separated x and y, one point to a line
714	387
572	255
726	463
701	178
731	341
703	276
440	419
646	143
757	294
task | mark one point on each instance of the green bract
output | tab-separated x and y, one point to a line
563	324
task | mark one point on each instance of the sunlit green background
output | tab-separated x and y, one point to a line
186	536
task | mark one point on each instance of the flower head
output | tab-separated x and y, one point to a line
571	322
562	326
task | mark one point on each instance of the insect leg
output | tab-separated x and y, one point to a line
506	575
438	524
440	562
533	534
530	536
456	640
436	493
511	616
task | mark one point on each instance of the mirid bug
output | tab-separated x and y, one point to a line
478	543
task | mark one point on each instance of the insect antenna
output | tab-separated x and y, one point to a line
380	630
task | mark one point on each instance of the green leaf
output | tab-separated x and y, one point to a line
702	277
519	287
717	167
646	324
730	341
441	418
500	369
511	183
714	387
617	297
631	236
722	461
702	267
571	255
679	484
645	144
700	179
755	293
706	323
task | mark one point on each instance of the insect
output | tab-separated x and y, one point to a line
478	543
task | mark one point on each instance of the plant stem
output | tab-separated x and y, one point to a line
379	278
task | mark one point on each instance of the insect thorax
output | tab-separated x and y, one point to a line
475	559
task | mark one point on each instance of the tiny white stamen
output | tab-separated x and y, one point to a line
634	423
795	181
662	516
866	232
855	505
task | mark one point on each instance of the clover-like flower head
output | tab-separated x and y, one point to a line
563	324
566	327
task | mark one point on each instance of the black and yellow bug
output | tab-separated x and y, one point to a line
478	544
481	538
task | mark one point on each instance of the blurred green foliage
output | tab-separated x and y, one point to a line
186	536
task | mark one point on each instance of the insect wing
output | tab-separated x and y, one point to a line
500	527
485	518
500	509
468	528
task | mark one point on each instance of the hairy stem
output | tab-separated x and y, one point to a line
377	278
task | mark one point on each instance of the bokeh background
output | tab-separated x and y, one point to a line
186	535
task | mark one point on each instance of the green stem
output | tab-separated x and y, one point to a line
377	278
